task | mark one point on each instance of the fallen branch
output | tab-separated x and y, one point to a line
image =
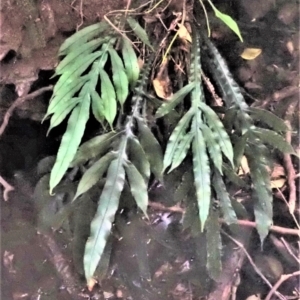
257	270
282	279
278	229
247	223
18	102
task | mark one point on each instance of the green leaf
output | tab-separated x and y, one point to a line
263	204
76	70
182	150
185	187
60	115
94	147
131	62
213	246
167	106
152	148
265	116
139	158
275	140
232	176
221	135
105	215
229	118
227	20
139	31
239	149
78	54
138	187
197	94
229	89
94	174
176	137
119	76
97	106
59	99
201	172
82	36
70	141
220	189
213	146
108	96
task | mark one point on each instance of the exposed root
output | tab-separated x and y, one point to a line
19	102
7	188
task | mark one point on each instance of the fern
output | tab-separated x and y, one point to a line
241	119
119	168
86	56
94	76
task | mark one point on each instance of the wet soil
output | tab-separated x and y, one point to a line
31	32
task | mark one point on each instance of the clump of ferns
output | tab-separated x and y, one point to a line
127	152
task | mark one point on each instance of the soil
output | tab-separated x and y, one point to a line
31	33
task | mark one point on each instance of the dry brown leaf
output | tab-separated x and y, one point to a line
91	283
278	171
278	183
183	33
162	83
244	168
251	53
162	88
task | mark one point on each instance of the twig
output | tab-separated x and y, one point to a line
159	206
278	229
7	188
288	248
293	215
247	223
291	174
120	32
279	295
18	102
80	13
282	279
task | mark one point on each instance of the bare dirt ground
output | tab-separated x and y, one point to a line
30	35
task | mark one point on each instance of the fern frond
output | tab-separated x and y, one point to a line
263	208
201	172
105	215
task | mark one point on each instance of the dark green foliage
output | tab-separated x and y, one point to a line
96	76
